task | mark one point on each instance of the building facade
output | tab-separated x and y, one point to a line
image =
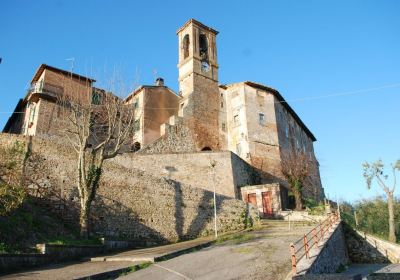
249	119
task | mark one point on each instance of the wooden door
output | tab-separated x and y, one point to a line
267	203
251	198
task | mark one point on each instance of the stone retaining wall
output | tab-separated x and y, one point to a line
194	169
366	248
132	204
328	256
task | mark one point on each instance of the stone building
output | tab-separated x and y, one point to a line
174	132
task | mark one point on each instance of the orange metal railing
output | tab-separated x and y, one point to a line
302	247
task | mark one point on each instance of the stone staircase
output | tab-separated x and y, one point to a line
282	225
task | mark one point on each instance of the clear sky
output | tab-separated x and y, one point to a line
305	49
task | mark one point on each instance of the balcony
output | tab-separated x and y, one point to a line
45	90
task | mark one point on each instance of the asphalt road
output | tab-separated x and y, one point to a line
262	254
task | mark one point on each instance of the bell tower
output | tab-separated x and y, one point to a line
198	82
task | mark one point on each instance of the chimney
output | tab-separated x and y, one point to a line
160	82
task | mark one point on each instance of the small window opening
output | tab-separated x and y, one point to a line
186	43
238	149
96	98
136	126
236	119
206	149
261	118
222	104
223	127
135	147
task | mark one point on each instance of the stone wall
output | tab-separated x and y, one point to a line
231	172
328	257
175	138
365	248
332	255
132	204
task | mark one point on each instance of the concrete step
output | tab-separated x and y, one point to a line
285	224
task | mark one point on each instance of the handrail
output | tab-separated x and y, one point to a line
311	239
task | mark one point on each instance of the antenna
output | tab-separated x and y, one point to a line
154	74
72	59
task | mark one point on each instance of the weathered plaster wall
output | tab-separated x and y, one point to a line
155	105
131	203
293	137
276	201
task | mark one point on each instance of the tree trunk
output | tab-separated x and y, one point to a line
84	219
298	201
392	232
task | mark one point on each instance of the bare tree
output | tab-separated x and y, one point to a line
97	124
296	168
376	170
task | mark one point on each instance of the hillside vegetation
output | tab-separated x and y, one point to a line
372	216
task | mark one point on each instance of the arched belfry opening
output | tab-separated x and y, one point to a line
206	149
203	46
185	44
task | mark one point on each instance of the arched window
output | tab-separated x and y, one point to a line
135	147
185	44
206	149
203	46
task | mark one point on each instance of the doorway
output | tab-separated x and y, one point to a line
252	199
267	203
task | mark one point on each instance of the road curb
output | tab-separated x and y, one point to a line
159	258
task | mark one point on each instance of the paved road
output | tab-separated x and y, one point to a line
262	254
68	270
366	269
98	265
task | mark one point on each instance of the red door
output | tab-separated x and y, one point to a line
251	198
267	203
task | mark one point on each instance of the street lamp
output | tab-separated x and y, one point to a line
213	163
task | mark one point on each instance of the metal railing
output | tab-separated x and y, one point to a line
302	247
46	88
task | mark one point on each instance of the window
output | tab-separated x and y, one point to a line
238	149
185	45
261	118
182	104
223	127
136	126
222	104
203	46
287	131
96	98
136	104
236	119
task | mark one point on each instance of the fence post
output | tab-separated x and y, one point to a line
315	237
322	229
305	241
294	261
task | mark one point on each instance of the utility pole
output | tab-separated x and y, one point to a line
213	163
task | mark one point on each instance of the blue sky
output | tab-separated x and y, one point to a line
305	49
